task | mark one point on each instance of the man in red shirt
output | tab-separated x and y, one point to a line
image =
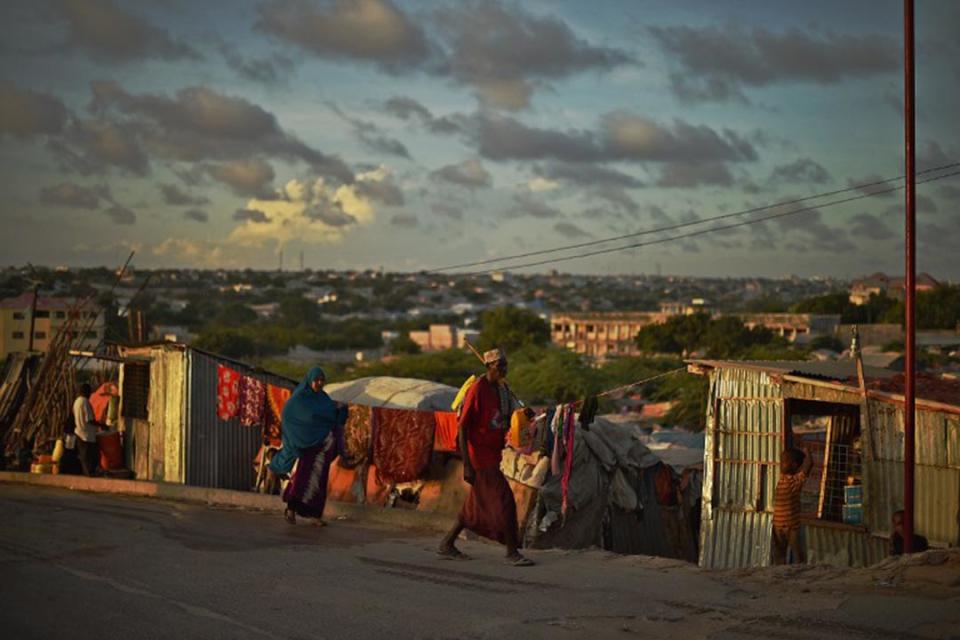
489	510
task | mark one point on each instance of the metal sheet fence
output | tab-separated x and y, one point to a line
220	453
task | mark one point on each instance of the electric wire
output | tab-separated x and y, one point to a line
681	225
711	229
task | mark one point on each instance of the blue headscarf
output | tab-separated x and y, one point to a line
308	418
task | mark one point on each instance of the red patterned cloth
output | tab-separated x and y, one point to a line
446	434
357	436
272	418
402	443
253	397
228	392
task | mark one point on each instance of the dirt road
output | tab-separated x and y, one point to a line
87	566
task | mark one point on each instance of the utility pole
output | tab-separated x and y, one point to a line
33	316
281	260
910	366
301	261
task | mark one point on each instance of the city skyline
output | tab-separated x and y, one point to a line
418	135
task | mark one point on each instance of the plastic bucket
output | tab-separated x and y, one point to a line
111	450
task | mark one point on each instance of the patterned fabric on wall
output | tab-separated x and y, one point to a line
357	437
228	392
253	397
276	398
403	443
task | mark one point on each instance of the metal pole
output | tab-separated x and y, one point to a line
33	317
909	400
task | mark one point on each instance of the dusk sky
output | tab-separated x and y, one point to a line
414	135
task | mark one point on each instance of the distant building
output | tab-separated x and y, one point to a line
795	327
440	337
601	334
51	314
881	283
697	305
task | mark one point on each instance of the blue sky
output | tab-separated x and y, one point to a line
415	135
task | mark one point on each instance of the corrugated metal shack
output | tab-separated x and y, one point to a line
756	409
169	403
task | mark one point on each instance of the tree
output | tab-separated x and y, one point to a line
511	328
404	345
831	343
228	342
550	375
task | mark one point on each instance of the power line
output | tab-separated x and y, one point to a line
682	225
712	229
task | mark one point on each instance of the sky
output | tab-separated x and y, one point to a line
419	135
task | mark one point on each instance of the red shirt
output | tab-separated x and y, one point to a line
480	415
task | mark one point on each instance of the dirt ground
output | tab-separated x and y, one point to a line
94	566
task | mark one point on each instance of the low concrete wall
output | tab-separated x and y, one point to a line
399	518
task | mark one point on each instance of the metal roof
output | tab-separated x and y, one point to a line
840	370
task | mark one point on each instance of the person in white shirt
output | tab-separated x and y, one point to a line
86	427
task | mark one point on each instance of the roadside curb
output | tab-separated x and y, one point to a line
397	518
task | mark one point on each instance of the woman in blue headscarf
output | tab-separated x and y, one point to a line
312	436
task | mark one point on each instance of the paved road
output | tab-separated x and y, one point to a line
78	565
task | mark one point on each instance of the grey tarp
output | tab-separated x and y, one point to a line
394	393
612	501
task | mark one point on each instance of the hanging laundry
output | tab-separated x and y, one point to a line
228	389
445	438
253	399
556	426
588	411
357	436
402	443
273	412
568	434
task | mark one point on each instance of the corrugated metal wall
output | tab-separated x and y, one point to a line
219	453
743	443
937	481
842	547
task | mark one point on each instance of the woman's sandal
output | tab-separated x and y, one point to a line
452	554
520	561
290	516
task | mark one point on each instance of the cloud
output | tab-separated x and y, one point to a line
374	31
538	184
692	174
867	225
622	136
251	215
120	214
926	204
616	196
717	63
69	194
504	52
949	192
173	196
525	205
803	170
251	178
92	146
378	185
469	174
930	154
200	124
409	109
447	210
586	175
404	221
197	215
371	136
309	212
25	113
570	230
267	70
811	225
111	34
875	185
188	251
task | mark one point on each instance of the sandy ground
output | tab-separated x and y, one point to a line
89	566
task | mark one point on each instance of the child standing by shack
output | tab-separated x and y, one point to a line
794	468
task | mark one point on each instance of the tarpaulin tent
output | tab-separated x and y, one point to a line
394	393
